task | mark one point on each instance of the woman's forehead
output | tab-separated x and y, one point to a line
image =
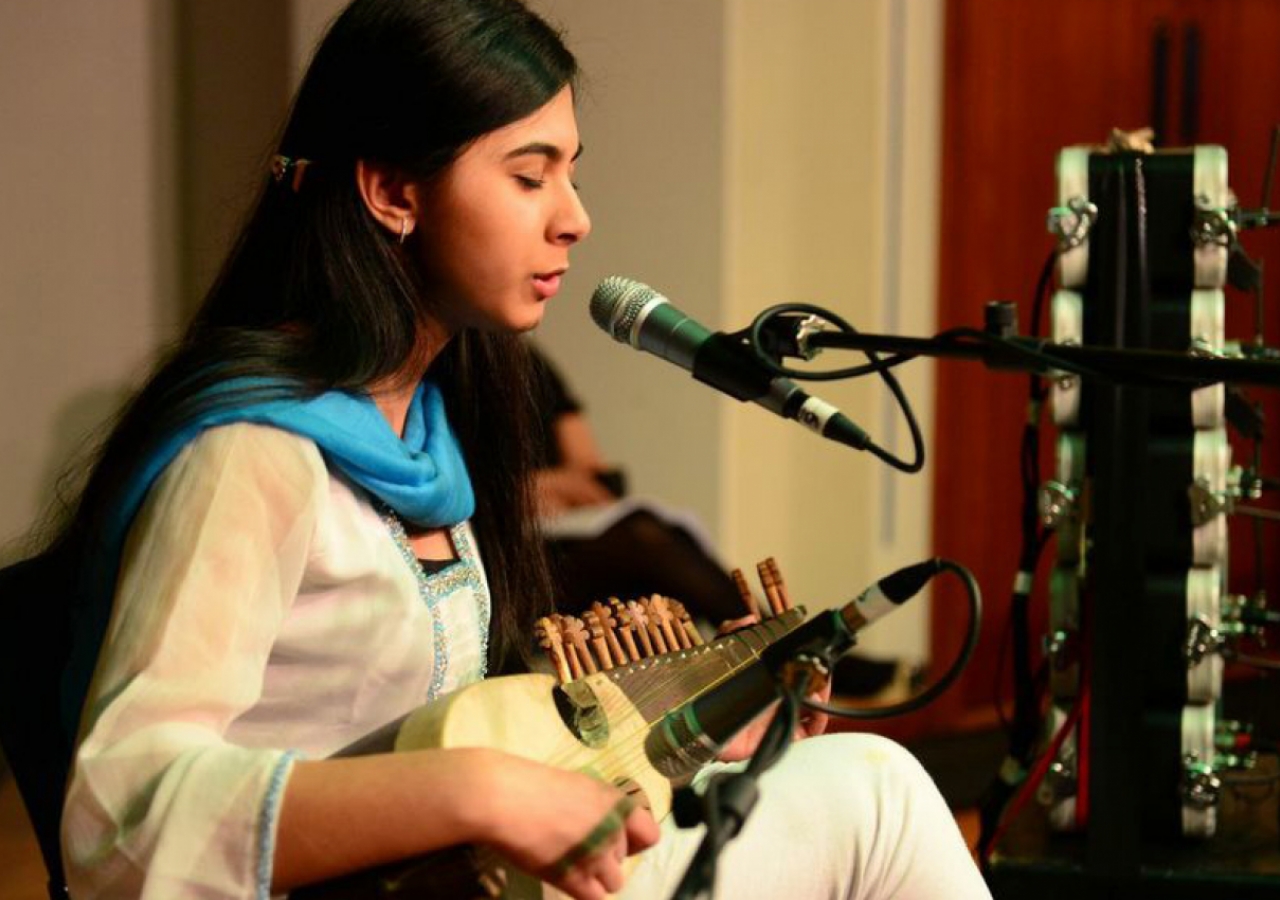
551	131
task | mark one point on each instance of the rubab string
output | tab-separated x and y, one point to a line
652	689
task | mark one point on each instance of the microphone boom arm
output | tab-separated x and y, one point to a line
1131	366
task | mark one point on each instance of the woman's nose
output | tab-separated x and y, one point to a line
573	223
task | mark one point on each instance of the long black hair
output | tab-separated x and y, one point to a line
316	294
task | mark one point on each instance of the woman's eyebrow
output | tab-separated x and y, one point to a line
537	148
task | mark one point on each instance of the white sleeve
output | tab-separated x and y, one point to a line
159	804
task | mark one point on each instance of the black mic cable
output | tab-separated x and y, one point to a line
889	593
730	797
634	313
692	733
785	330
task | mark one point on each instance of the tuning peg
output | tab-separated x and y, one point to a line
654	627
781	584
575	635
548	634
608	623
690	637
748	598
602	654
660	609
770	586
640	622
626	628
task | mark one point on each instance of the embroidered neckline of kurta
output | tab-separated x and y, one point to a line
435	588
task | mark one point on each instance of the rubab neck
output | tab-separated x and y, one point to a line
661	684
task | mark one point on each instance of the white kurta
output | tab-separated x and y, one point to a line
263	610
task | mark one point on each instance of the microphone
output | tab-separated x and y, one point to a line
636	314
889	593
691	735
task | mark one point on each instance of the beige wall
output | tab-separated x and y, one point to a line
651	119
739	153
87	246
763	151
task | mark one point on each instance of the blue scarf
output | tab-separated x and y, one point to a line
422	477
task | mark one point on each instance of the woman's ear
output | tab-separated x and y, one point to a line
391	198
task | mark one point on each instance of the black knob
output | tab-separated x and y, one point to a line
1000	318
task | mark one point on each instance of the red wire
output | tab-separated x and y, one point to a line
1036	775
1082	747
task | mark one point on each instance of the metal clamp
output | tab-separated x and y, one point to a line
808	327
1203	348
1230	735
1060	783
1057	503
1248	615
1236	762
1202	639
1072	223
1065	381
1247	482
1201	786
1212	226
1206	503
1059	648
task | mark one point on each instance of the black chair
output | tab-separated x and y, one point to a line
35	642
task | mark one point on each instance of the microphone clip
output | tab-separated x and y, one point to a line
788	335
814	646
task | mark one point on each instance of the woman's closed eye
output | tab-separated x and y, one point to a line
533	182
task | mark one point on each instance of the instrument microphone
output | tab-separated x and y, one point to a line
691	735
888	594
636	314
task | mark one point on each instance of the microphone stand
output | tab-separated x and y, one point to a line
797	662
1003	351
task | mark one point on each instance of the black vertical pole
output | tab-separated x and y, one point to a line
1117	438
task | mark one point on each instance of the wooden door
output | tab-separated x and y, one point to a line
1024	79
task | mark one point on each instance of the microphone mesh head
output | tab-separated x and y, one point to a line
616	303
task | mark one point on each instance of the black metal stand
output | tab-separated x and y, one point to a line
1116	857
795	662
1119	365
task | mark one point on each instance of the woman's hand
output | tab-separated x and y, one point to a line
345	814
570	830
811	723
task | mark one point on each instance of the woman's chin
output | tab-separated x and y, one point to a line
525	320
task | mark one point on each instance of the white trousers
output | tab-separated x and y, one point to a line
839	816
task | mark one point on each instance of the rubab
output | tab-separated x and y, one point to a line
619	671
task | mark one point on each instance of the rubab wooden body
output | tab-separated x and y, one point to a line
600	723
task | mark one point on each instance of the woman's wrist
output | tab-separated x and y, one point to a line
478	790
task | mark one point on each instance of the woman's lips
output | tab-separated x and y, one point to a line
547	285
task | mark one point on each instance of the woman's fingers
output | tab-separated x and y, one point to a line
569	829
610	867
598	871
813	722
641	831
582	886
731	625
596	841
597	874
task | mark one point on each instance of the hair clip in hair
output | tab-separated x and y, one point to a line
282	165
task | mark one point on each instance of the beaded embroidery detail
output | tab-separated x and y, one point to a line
435	588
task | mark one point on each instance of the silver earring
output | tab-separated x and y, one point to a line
404	229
